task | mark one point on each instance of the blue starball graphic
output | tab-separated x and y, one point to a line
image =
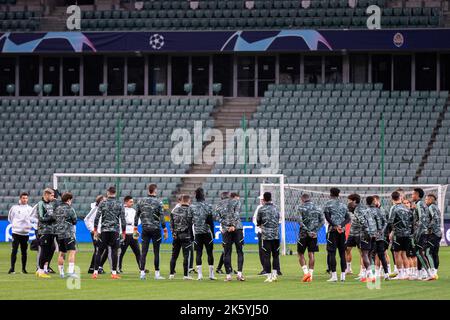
312	39
76	40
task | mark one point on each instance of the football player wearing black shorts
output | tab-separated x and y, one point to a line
149	211
181	222
422	223
227	212
411	271
379	251
46	221
364	217
386	231
337	216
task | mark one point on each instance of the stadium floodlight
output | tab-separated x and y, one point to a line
285	195
60	179
320	195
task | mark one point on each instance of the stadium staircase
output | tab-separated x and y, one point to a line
320	141
436	167
55	20
227	115
78	134
265	14
445	9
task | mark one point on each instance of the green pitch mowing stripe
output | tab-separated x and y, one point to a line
21	286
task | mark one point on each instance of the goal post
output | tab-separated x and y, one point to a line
287	196
87	185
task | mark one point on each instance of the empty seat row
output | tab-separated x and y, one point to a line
87	143
19	25
409	111
239	13
260	14
257	4
356	93
18	15
341	143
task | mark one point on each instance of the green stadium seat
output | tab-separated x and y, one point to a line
92	24
190	14
227	13
111	24
13	24
84	24
434	21
75	88
19	15
37	89
102	24
98	15
404	21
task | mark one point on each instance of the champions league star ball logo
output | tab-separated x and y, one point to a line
399	40
311	38
156	41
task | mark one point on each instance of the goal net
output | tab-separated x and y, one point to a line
320	195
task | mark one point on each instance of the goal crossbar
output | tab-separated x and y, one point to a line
324	190
56	176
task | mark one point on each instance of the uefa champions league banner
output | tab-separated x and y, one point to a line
290	40
447	231
250	237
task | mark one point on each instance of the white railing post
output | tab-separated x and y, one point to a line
165	175
55	181
261	189
283	216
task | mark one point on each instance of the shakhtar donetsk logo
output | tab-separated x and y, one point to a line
399	40
156	41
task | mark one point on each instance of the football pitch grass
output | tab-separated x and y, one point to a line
289	286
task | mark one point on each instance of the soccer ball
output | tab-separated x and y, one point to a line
156	41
